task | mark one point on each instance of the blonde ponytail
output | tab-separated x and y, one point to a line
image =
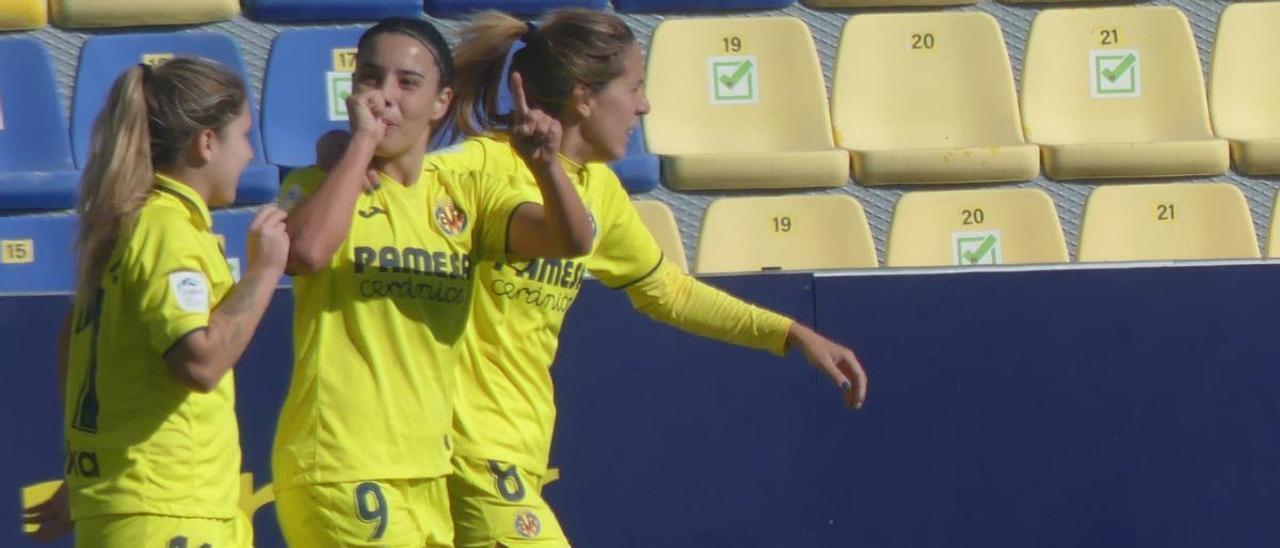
150	117
116	181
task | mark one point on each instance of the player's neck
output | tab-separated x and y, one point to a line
194	178
404	168
573	146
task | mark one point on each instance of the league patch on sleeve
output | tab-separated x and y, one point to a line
290	198
190	291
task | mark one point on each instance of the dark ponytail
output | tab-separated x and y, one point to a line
574	46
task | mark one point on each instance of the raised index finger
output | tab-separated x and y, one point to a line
519	105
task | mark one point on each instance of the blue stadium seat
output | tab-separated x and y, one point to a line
232	225
296	93
695	6
36	171
37	253
453	8
638	169
104	57
329	10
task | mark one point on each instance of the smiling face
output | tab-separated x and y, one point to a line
405	71
615	109
230	152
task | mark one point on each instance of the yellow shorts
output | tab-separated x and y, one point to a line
151	531
498	503
411	512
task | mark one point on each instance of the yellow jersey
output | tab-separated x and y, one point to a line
506	405
138	441
376	334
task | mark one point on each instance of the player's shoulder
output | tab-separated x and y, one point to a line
299	184
488	152
165	226
601	171
306	178
461	155
164	212
605	187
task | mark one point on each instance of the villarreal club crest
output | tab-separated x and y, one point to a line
527	524
451	219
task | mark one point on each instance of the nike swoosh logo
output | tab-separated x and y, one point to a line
369	213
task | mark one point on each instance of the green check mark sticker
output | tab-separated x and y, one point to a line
976	248
734	79
1115	73
337	89
972	257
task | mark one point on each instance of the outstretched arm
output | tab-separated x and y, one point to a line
673	297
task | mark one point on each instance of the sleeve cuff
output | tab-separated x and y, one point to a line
780	327
175	330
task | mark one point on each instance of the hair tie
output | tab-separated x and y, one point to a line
529	32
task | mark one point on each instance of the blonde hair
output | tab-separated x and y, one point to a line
150	117
574	46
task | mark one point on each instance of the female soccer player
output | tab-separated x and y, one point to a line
153	448
587	69
383	287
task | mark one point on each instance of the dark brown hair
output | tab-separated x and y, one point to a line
573	46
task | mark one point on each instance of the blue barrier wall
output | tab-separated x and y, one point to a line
1130	407
1133	408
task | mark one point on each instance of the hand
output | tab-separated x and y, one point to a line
534	134
838	362
364	110
52	517
268	241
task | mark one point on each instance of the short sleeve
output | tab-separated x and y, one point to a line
496	198
175	294
625	251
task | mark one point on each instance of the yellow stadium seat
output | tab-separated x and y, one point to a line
928	98
36	494
23	14
1118	92
1054	1
1167	221
739	102
1244	88
882	3
975	227
784	233
662	223
139	13
1273	238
